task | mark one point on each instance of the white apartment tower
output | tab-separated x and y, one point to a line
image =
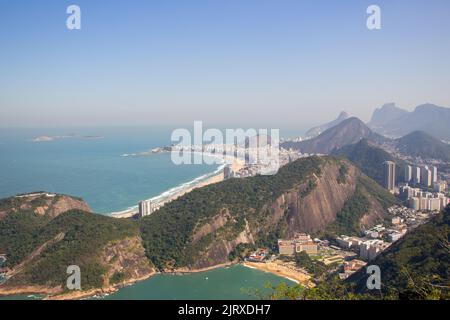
416	175
427	177
389	175
408	173
435	175
146	208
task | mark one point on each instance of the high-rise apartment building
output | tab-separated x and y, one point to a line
389	175
146	208
427	177
416	175
408	173
435	175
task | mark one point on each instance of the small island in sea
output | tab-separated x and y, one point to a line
46	138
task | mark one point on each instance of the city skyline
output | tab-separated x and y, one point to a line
224	62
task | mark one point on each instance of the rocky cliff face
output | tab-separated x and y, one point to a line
42	204
319	208
125	261
308	207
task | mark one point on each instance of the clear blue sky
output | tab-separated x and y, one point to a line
227	62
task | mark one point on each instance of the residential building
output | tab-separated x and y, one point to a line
416	175
370	249
308	247
408	173
389	175
346	242
394	236
259	256
440	186
301	242
146	208
435	175
427	177
414	203
286	247
228	172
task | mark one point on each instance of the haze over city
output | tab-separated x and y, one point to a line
282	63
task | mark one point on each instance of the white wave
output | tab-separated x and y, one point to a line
186	185
181	187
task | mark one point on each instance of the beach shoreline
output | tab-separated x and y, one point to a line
236	165
56	294
281	271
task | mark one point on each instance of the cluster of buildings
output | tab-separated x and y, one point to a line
301	242
423	200
368	249
343	257
252	169
249	170
259	255
379	237
407	218
421	187
426	176
417	176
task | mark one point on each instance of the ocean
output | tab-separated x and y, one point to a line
95	169
90	163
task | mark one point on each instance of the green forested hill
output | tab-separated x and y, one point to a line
80	238
167	232
369	158
421	144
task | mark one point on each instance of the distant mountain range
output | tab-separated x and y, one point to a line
385	114
392	121
341	139
423	145
314	132
347	132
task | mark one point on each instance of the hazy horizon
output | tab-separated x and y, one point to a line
284	64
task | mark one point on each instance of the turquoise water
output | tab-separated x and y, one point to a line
93	169
236	282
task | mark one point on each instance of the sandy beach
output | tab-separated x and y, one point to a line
236	165
282	271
